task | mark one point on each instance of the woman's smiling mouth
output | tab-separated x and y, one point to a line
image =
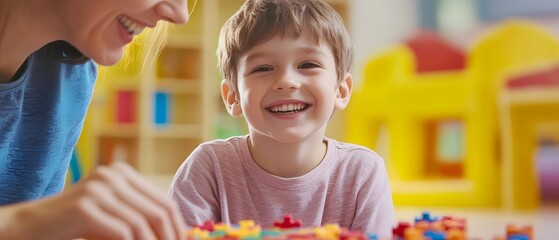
130	25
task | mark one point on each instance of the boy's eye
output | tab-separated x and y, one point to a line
309	65
262	69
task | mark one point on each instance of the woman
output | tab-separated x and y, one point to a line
48	51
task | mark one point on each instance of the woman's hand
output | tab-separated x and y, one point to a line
114	202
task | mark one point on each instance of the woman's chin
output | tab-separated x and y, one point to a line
107	59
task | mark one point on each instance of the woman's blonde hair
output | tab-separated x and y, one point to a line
155	41
260	20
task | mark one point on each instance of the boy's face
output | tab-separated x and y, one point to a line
288	88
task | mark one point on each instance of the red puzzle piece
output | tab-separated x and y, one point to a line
288	222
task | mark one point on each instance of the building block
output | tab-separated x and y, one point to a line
520	232
207	226
434	235
518	237
426	216
288	222
450	222
372	236
398	231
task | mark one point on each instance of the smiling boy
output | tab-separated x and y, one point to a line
286	68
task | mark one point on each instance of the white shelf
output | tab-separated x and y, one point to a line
121	130
176	41
178	131
178	85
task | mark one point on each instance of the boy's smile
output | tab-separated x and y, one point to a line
288	87
288	108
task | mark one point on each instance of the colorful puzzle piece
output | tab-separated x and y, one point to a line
288	222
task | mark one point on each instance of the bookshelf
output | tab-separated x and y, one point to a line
153	117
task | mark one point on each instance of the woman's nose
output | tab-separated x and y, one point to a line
175	11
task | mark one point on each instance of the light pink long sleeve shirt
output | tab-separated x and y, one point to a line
221	182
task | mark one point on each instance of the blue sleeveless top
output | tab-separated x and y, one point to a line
41	117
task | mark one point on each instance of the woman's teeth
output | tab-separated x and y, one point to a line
130	26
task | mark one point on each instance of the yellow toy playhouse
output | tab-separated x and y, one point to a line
444	146
529	121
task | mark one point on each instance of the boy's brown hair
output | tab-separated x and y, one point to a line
260	20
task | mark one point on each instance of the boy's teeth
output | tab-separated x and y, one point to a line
288	107
130	26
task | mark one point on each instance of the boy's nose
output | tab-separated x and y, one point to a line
175	11
286	81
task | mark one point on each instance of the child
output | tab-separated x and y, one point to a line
285	64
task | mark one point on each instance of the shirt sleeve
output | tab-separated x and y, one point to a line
194	188
375	209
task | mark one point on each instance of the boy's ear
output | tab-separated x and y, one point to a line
230	99
344	92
